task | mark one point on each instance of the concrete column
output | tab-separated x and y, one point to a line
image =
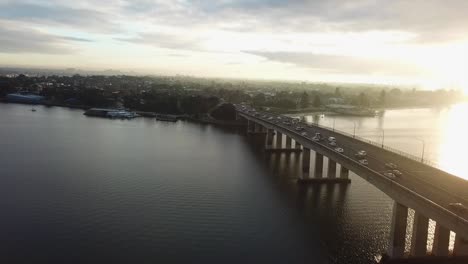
298	145
250	125
270	134
257	127
318	165
288	142
305	162
344	172
461	246
441	241
279	140
396	247
419	238
331	169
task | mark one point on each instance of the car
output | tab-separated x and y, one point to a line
331	139
364	162
397	173
304	134
339	150
389	175
310	125
315	138
318	135
299	128
270	118
361	153
458	208
332	143
390	165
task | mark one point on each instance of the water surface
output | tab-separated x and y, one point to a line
75	189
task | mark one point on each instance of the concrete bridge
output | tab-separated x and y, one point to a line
426	189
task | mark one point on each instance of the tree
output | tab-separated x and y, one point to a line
383	97
337	92
259	99
317	101
304	100
363	100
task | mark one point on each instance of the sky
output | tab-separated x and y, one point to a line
422	42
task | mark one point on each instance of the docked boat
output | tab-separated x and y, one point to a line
110	113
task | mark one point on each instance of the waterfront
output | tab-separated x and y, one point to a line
78	189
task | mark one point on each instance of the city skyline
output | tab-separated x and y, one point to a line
398	42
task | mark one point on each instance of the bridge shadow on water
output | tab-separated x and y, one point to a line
322	208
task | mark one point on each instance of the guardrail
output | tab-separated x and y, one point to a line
394	150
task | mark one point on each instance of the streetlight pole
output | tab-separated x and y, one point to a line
333	124
383	137
424	146
354	130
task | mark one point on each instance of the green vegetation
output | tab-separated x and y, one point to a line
200	96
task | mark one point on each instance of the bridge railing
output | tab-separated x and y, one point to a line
394	150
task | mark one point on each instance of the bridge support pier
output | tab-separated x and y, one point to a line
279	140
461	246
305	163
396	247
250	125
318	165
297	145
257	127
344	172
441	241
419	238
331	169
269	139
288	141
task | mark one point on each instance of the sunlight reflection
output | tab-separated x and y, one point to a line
454	141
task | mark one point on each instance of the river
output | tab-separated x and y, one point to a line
75	189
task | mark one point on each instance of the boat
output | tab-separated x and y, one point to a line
110	113
24	98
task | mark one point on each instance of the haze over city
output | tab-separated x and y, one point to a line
394	42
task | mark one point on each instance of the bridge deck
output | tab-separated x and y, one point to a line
420	187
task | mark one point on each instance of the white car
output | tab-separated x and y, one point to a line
361	154
339	150
304	134
316	138
332	143
364	162
331	139
389	175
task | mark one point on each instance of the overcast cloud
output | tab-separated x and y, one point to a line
349	37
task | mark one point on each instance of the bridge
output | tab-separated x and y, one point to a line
429	191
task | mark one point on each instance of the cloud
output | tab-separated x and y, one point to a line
56	14
166	40
26	40
77	39
428	20
337	64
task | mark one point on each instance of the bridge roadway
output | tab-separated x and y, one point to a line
423	188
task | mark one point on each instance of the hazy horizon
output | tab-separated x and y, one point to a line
398	43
